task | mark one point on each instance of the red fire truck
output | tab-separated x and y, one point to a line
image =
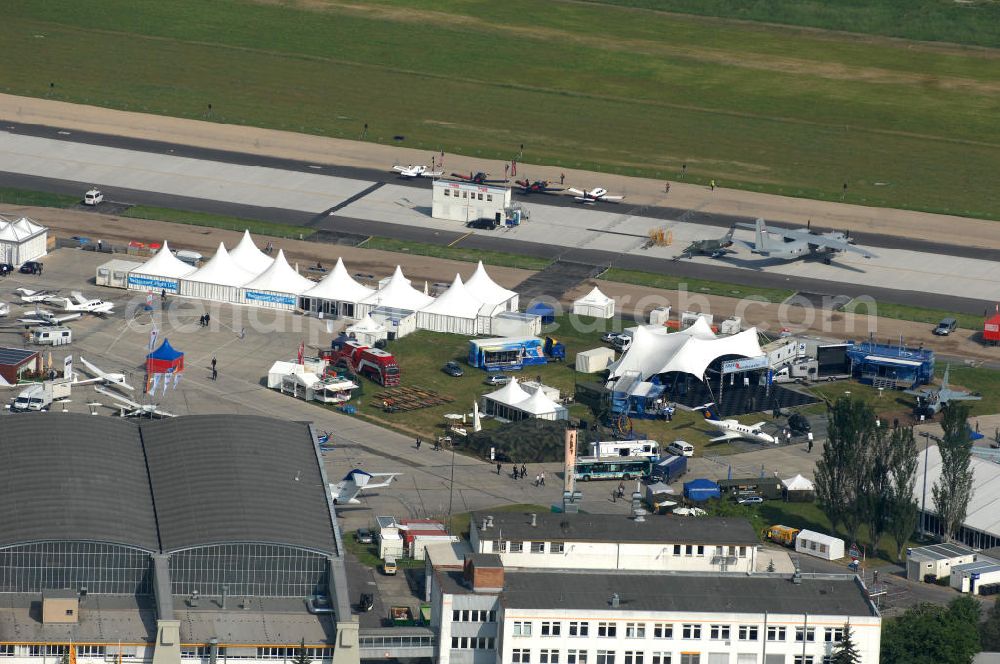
374	363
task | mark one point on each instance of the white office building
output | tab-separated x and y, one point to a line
467	201
615	542
486	614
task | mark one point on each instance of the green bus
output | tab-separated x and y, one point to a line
612	468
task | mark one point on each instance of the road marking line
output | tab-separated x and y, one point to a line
452	244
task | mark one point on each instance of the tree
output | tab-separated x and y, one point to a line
952	491
841	472
932	634
300	654
989	630
901	509
846	652
876	478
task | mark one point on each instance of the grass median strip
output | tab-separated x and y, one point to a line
671	282
499	258
218	221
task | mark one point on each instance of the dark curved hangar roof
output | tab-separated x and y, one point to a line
73	477
225	478
161	485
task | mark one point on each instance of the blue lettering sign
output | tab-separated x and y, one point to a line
152	283
272	298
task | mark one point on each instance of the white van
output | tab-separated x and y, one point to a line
56	335
190	257
680	448
93	197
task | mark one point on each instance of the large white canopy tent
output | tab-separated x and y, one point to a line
540	407
981	527
220	279
336	295
22	240
367	331
160	273
655	351
482	287
396	294
249	257
596	304
455	310
278	287
500	403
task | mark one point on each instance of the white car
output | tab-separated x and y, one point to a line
93	197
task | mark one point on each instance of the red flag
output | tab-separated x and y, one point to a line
513	167
302	350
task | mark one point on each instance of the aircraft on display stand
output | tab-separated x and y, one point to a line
354	482
595	195
411	171
733	430
793	243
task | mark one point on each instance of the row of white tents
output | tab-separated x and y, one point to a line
248	276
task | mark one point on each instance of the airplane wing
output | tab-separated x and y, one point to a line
391	476
64	318
757	425
964	397
125	401
860	250
91	368
433	174
746	244
919	393
34	321
79	298
576	191
726	435
612	198
401	169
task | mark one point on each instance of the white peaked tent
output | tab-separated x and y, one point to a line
336	295
654	351
798	483
540	407
367	331
482	287
596	304
220	279
278	287
22	240
249	257
501	403
455	310
160	273
396	294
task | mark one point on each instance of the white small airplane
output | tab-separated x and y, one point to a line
101	377
411	171
4	309
733	430
28	295
347	489
45	317
80	303
594	195
130	408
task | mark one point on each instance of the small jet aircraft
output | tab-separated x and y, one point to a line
80	303
596	195
931	400
411	171
347	490
477	178
733	430
45	317
712	248
100	377
536	187
28	295
799	242
130	408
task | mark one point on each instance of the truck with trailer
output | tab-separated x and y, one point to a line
373	363
670	469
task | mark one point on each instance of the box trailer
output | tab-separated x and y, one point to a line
819	545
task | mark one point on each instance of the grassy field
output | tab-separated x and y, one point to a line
749	105
917	314
218	221
456	253
669	282
975	22
39	198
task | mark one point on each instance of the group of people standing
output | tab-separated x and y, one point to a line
521	472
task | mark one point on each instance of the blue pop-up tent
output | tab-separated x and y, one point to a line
701	489
546	311
165	359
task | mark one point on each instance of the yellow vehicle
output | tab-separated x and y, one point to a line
389	566
784	535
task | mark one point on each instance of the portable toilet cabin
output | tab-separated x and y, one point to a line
819	545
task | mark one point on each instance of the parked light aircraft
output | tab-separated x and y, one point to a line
45	317
347	489
733	430
80	303
28	295
132	409
101	377
536	187
595	195
795	243
713	248
411	171
477	178
931	400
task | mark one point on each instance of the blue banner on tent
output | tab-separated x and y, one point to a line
273	298
139	281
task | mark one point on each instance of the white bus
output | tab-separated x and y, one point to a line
626	448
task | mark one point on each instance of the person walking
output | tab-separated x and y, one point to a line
524	470
499	467
562	178
809	444
541	478
215	374
621	489
418	443
538	480
711	183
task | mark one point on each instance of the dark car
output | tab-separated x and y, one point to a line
452	369
366	602
485	224
364	536
798	423
946	327
5	269
31	267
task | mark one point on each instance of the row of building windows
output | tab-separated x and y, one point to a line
685	550
575	656
465	194
473	615
473	643
639	630
503	546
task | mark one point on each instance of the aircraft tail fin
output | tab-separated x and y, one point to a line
708	410
729	235
944	379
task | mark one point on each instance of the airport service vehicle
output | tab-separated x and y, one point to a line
626	448
364	536
56	335
798	423
374	363
93	197
784	535
619	468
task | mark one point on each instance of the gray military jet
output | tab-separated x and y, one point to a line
931	400
714	248
794	243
